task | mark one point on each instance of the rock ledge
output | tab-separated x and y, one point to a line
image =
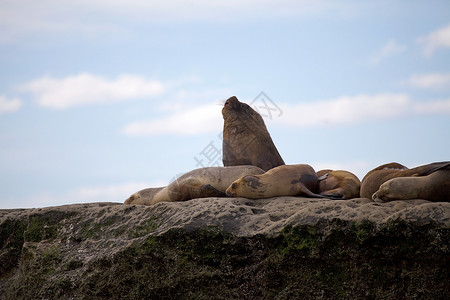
221	248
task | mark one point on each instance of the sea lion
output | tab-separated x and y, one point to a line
432	187
286	180
143	197
338	184
376	177
198	183
246	140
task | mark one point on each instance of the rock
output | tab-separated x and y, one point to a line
224	248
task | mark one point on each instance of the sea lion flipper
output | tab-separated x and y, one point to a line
338	193
445	165
307	192
323	177
208	190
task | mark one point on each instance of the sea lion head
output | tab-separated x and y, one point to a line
144	196
234	109
133	198
243	187
392	189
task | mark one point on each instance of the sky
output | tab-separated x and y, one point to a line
99	99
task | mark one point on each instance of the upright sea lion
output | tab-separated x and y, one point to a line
432	187
376	177
287	180
198	183
246	140
338	184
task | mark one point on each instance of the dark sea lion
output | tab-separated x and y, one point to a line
338	184
198	183
286	180
432	187
376	177
246	140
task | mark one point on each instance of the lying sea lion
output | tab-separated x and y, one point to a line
338	184
432	187
286	180
144	197
198	183
246	140
376	177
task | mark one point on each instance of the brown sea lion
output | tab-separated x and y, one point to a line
198	183
286	180
432	187
376	177
338	184
143	197
246	140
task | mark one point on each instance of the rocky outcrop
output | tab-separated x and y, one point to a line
222	248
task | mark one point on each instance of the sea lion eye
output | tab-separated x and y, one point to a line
233	186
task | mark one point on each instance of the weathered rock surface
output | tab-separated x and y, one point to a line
222	248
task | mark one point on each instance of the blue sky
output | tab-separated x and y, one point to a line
99	99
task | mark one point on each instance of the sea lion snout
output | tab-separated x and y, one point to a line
376	199
232	103
231	190
230	194
131	199
383	194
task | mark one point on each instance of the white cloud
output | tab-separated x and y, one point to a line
31	18
435	40
219	10
197	120
95	17
357	109
9	105
85	88
434	107
391	48
429	81
182	98
346	110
